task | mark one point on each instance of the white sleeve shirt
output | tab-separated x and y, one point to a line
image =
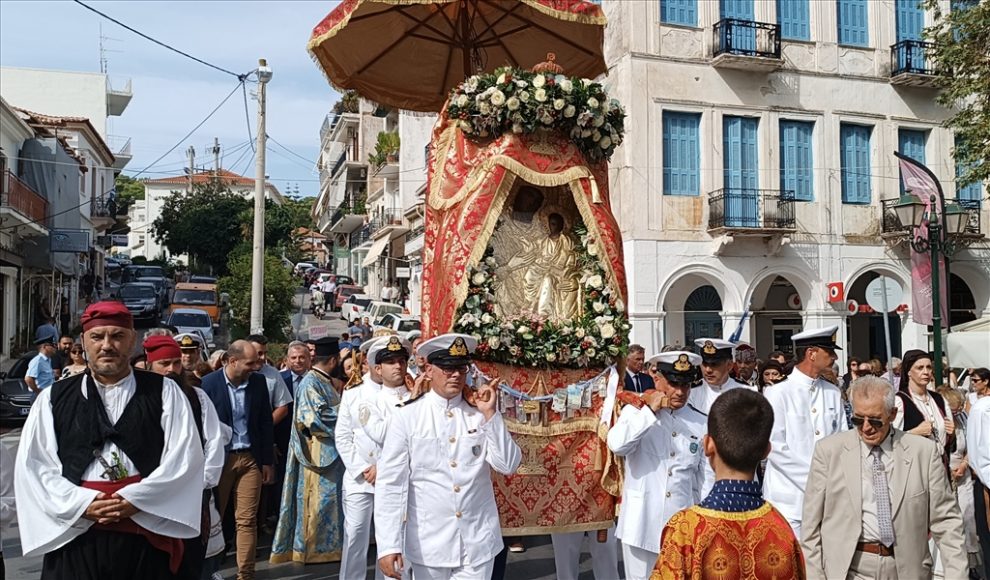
978	439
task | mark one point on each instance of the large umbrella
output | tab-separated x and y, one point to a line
409	53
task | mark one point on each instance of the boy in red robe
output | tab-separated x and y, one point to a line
732	533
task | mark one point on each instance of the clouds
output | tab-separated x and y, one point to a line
171	93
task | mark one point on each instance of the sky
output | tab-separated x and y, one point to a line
172	93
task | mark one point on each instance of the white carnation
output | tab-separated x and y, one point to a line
551	357
590	352
485	108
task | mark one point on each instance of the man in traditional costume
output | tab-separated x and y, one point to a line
660	438
806	409
310	524
109	476
360	455
734	532
434	502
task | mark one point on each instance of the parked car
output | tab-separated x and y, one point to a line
193	320
354	307
345	291
141	299
201	279
201	296
301	267
15	396
161	288
132	273
402	325
376	310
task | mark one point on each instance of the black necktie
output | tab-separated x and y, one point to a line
639	387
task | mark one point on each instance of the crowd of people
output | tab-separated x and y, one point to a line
152	466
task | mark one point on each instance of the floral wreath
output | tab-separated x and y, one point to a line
594	339
523	102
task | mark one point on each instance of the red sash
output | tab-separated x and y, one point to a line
171	546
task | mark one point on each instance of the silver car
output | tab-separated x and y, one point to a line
193	320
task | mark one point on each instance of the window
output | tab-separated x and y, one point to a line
796	160
681	153
679	12
853	22
912	143
792	16
969	193
854	153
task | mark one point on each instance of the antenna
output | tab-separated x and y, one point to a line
104	50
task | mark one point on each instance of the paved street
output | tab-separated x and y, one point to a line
535	564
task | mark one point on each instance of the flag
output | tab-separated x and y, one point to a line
922	183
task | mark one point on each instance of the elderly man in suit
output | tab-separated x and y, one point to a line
636	380
241	398
873	496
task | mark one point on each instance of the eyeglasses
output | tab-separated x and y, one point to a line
858	421
449	371
977	380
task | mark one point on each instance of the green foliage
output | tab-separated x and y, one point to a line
203	225
960	39
386	147
280	287
348	103
128	191
280	223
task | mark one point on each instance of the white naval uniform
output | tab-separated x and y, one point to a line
567	548
359	452
978	440
701	399
663	475
805	411
169	499
435	501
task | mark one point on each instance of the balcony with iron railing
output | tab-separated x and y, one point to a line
746	45
361	236
20	205
121	148
387	220
348	216
754	211
911	64
103	212
892	228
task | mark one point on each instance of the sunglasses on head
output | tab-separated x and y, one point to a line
858	421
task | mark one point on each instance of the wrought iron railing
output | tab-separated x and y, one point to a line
912	57
103	207
757	209
360	236
891	224
16	194
356	207
386	217
746	38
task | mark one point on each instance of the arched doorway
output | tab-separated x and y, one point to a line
776	308
702	314
962	303
864	329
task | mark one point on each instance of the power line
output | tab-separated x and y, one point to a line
158	42
247	117
312	163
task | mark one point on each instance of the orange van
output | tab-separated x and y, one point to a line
202	296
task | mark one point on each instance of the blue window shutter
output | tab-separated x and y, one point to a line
970	193
794	20
679	12
681	153
854	144
796	159
910	19
912	144
740	171
853	22
738	9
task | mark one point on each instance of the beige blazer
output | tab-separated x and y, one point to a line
919	495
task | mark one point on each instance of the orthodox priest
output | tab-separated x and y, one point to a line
311	521
109	476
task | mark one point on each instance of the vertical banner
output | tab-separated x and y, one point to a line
921	182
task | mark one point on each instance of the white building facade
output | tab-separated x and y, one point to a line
758	168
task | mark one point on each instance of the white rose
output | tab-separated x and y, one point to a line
598	307
467	318
607	331
593	103
569	111
596	136
485	108
606	142
559	104
586	82
579	332
540	95
590	352
479	278
523	330
498	98
594	281
512	104
486	318
493	342
566	85
599	121
471	85
490	262
539	81
521	83
524	96
551	357
462	101
592	250
620	306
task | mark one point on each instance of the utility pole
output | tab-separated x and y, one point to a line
191	153
216	157
258	254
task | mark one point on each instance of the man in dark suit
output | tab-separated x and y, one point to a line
636	380
242	402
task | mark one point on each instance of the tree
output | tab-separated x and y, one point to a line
280	223
128	191
279	286
959	54
204	224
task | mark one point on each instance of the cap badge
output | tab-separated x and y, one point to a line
458	348
393	345
187	341
833	336
709	348
682	364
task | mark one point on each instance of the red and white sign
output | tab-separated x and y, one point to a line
852	306
836	292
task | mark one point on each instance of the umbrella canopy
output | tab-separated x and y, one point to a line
409	53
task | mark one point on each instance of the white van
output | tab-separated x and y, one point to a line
376	310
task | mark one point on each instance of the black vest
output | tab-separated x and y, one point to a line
913	416
82	425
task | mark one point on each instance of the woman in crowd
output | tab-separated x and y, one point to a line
769	373
78	358
921	411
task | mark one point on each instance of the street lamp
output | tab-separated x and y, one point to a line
913	214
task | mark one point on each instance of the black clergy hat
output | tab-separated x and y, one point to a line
327	346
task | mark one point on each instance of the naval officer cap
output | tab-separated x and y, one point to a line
448	350
677	366
188	340
327	346
820	337
366	345
714	349
389	347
